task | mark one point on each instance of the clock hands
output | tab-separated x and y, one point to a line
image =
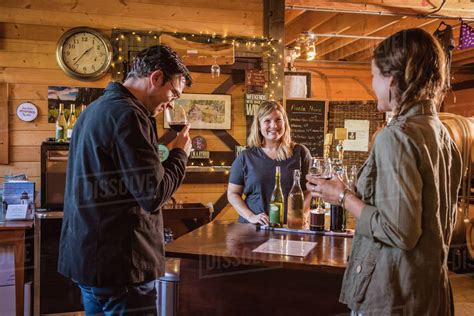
85	52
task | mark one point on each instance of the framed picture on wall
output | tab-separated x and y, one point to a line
297	84
206	111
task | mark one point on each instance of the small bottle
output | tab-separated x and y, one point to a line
277	204
71	121
61	125
296	203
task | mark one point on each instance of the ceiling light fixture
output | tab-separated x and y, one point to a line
306	45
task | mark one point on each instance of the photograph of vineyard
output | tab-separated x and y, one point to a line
206	111
68	96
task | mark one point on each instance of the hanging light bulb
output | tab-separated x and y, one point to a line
307	41
310	51
297	51
290	56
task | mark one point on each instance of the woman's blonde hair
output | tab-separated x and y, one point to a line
255	139
417	63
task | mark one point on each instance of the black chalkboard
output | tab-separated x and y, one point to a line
307	121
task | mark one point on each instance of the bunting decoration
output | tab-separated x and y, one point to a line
466	37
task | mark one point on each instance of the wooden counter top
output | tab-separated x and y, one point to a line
235	242
16	225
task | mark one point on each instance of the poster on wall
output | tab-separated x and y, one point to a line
68	96
357	135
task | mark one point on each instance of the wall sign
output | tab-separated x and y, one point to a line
307	120
253	101
297	85
163	152
357	135
27	112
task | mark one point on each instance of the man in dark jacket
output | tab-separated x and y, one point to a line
112	242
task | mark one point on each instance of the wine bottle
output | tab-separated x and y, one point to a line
296	203
338	218
277	204
338	213
61	125
71	121
83	108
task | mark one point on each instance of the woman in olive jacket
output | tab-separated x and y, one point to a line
406	197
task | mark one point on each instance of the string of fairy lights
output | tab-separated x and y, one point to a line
269	49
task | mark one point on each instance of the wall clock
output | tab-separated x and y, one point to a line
84	53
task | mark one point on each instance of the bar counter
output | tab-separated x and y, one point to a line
219	273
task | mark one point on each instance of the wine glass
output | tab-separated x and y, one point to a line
321	168
176	117
215	69
315	167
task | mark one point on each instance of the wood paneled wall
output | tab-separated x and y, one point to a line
338	81
30	29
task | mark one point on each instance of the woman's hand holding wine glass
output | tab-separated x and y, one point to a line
321	183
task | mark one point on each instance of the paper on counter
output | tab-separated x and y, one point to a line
286	247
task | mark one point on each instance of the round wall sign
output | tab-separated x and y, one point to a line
27	111
199	143
163	152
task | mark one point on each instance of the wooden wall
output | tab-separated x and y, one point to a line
339	81
29	30
460	102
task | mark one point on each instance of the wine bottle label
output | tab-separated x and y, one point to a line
59	133
69	133
274	213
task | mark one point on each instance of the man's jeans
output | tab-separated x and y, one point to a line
120	300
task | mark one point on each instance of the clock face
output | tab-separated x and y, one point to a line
84	54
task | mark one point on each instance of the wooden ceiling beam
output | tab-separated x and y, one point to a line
461	55
290	15
304	23
338	25
460	8
365	26
362	49
464	62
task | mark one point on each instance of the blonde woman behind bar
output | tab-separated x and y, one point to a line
253	171
406	197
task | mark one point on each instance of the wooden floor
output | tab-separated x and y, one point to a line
463	291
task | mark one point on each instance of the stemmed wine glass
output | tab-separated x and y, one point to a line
320	168
176	117
215	69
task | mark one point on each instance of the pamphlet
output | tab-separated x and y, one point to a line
287	247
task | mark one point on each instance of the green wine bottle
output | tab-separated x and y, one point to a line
61	125
277	204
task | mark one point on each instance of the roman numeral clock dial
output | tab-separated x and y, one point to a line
84	53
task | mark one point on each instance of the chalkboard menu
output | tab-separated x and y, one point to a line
307	122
